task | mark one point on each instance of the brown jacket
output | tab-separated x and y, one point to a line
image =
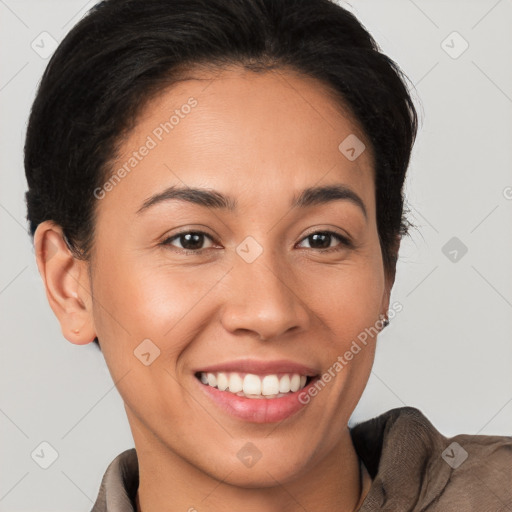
413	468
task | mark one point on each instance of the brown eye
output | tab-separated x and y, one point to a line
191	241
321	240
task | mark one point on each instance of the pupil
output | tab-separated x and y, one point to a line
317	236
196	241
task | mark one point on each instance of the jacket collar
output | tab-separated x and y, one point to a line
401	450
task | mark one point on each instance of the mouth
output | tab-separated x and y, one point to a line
254	386
256	391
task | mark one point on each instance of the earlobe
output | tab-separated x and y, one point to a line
66	282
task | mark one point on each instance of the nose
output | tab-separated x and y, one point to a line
264	299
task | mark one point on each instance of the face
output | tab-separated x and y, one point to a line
192	291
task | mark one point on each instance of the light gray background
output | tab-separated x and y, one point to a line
449	351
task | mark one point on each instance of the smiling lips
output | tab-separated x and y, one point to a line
251	385
257	391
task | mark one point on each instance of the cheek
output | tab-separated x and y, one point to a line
138	300
348	298
348	302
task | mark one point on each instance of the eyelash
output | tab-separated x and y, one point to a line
345	242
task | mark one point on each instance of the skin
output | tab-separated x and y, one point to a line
261	138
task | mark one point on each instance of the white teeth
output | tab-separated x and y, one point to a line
212	379
255	386
235	383
252	385
270	385
222	381
295	382
284	384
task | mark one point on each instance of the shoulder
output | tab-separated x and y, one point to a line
481	471
411	462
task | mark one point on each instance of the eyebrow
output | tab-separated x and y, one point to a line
208	198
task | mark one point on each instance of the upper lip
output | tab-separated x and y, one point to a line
260	367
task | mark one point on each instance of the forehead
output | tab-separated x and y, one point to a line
257	136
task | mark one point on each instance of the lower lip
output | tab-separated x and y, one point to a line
257	410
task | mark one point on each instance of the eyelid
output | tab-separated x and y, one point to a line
167	239
328	229
345	240
344	237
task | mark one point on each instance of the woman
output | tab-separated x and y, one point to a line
215	195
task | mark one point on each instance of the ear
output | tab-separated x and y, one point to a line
66	282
